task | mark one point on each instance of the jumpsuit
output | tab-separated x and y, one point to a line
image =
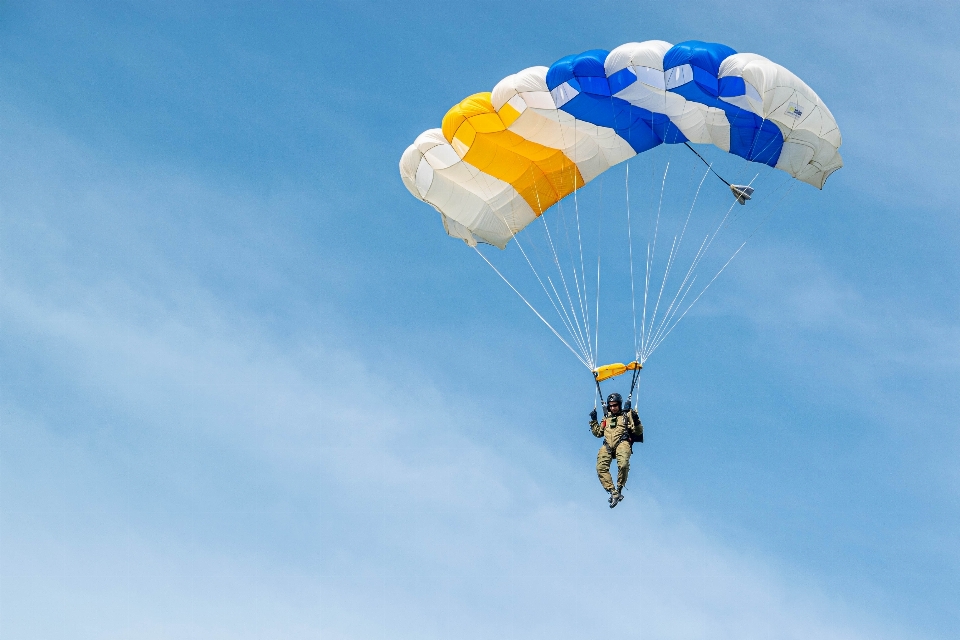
619	432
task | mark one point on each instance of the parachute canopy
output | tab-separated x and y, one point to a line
501	159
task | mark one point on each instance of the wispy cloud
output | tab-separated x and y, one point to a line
189	450
792	297
399	521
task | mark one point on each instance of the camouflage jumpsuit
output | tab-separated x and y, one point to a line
619	432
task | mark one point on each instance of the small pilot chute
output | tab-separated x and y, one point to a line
741	192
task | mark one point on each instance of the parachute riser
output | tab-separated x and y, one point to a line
600	393
633	384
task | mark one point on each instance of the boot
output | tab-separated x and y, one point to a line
615	498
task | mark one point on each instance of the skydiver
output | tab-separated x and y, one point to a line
620	428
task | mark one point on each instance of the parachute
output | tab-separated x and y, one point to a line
501	159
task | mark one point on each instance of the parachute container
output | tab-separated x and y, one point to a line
608	371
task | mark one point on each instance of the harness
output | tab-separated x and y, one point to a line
626	435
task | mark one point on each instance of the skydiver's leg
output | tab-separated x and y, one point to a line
603	468
623	463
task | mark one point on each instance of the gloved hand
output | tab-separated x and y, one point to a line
593	415
627	406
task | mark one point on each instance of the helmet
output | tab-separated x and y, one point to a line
614	397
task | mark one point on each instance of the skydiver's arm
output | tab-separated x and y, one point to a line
595	427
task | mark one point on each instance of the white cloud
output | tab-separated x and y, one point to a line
791	296
406	527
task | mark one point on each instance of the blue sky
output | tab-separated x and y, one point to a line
252	390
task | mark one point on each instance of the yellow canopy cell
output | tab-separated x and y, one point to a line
541	175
